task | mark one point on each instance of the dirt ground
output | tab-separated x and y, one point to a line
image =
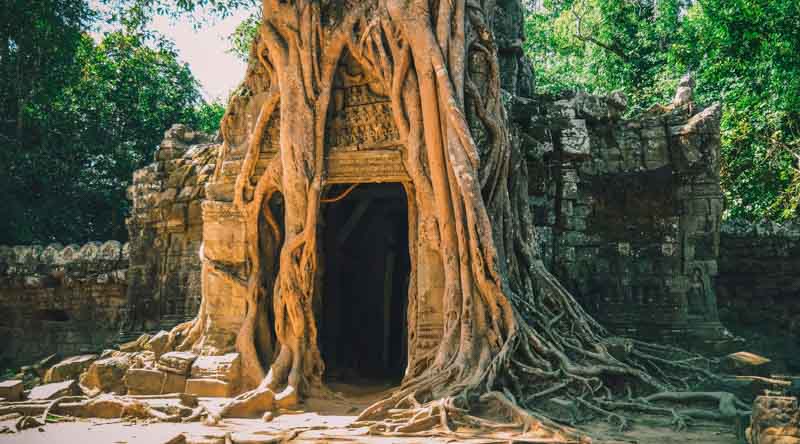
326	421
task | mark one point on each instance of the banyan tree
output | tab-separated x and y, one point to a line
396	111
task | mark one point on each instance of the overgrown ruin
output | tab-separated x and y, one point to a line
388	200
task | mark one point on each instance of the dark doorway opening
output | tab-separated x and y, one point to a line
365	290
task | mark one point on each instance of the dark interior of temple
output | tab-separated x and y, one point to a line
366	271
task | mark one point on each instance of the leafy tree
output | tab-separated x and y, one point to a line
242	37
85	133
745	54
207	117
39	40
604	45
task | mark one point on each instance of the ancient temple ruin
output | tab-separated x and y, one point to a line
393	232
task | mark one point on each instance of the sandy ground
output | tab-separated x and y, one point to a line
326	421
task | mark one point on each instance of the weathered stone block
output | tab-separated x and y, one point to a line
224	240
106	375
179	363
142	381
135	346
225	367
158	343
54	390
70	368
213	388
774	421
174	383
11	390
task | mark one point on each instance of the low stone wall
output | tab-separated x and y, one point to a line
58	299
758	288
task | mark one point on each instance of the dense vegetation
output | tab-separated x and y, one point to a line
77	117
743	53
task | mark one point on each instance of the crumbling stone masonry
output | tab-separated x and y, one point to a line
58	299
165	230
758	288
628	210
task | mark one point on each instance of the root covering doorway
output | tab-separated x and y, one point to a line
363	329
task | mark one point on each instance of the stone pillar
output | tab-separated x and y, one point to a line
224	289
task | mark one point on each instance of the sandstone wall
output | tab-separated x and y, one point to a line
628	210
60	299
165	229
758	288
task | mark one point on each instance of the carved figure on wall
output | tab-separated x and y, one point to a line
697	293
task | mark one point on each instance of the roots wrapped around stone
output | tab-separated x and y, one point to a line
513	338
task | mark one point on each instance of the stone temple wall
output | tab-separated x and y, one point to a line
628	210
758	288
165	229
627	214
58	299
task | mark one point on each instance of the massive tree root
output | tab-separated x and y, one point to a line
513	337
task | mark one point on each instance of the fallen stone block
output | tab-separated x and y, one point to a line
70	368
174	383
142	381
54	390
774	421
225	367
212	388
106	375
135	346
145	359
46	363
158	343
746	364
11	390
176	362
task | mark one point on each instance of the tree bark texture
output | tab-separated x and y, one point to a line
512	336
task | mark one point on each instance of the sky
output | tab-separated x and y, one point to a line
205	50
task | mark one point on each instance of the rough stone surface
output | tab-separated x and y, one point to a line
60	299
174	383
158	343
54	390
165	229
775	420
628	211
206	387
11	390
106	375
144	381
70	368
758	288
179	363
225	367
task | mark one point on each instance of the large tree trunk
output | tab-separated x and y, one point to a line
512	335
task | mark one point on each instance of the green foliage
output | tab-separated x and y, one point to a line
605	45
79	119
207	117
744	53
136	14
242	38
